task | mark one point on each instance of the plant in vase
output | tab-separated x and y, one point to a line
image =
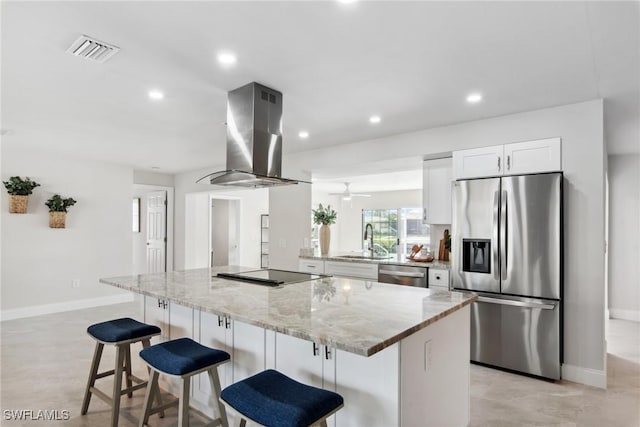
19	190
58	210
324	217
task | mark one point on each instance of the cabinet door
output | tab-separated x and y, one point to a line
248	356
299	359
543	155
215	332
436	191
311	266
156	313
352	269
370	388
439	278
478	162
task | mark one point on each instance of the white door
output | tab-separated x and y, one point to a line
156	231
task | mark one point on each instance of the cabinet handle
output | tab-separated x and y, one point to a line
437	277
508	162
162	303
316	349
220	321
327	352
227	323
498	163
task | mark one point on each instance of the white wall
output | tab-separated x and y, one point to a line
583	159
40	263
189	223
152	178
624	237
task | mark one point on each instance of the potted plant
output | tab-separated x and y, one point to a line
58	210
324	217
19	190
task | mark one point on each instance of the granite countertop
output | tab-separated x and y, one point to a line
395	260
358	316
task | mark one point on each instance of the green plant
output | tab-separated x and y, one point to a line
20	187
58	204
323	215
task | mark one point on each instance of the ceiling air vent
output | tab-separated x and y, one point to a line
95	50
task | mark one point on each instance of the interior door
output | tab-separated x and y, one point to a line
156	231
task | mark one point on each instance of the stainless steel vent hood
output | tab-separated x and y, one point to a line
254	139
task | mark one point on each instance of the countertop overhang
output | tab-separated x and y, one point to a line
358	316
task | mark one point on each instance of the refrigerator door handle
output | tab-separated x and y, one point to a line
503	236
527	304
494	243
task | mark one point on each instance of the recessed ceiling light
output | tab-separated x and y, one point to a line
303	134
156	94
374	119
474	98
226	58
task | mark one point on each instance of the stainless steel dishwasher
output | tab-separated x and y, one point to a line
407	275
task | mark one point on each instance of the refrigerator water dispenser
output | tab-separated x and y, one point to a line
476	255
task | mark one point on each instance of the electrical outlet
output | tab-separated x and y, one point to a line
75	283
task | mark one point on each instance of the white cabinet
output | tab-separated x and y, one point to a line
438	278
311	266
542	155
352	269
478	162
156	312
436	191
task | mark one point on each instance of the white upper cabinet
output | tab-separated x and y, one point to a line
478	162
542	155
436	191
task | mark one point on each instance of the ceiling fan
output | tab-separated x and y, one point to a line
347	195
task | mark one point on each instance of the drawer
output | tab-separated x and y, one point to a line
352	269
311	266
438	278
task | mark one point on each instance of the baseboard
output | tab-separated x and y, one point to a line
584	376
39	310
618	313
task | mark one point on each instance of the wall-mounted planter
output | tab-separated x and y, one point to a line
18	204
57	219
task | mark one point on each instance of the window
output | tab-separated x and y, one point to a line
395	231
136	215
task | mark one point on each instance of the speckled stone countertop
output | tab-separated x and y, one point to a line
395	260
358	316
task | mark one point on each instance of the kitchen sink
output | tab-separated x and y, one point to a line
365	256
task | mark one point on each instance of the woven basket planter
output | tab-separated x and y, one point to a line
18	204
57	219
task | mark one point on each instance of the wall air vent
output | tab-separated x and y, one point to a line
90	48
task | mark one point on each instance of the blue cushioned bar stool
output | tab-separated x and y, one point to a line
274	400
121	333
183	358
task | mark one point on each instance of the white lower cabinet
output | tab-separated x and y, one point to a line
307	362
311	266
156	312
359	270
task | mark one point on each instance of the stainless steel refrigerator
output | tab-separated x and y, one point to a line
507	248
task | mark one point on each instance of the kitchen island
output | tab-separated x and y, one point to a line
398	355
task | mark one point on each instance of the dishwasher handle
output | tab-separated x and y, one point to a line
401	273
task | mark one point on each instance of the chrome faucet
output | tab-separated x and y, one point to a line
366	229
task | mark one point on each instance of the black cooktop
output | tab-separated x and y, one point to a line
271	277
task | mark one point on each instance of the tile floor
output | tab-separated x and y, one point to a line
45	359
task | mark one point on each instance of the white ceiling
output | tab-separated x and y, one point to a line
413	63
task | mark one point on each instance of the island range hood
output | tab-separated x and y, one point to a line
254	139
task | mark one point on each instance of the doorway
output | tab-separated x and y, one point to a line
224	225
